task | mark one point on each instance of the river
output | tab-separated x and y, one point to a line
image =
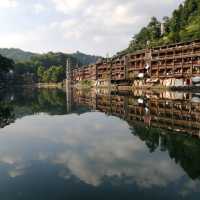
96	145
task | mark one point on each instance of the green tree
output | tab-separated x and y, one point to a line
54	74
46	77
166	21
182	26
154	28
57	73
6	64
40	73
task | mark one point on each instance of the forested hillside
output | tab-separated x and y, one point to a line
183	25
85	59
49	67
17	55
21	56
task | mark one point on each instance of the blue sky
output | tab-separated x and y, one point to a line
92	26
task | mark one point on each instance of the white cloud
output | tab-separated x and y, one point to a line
12	39
91	26
42	39
107	26
68	5
8	3
39	8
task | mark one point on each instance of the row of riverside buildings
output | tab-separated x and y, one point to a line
171	65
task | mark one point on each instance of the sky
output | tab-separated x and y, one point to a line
100	27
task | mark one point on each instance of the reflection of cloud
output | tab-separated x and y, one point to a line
190	187
92	169
91	147
19	169
8	160
16	172
39	8
18	165
8	3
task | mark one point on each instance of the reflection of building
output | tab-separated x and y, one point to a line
85	99
179	112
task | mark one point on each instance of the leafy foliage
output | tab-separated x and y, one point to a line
85	59
53	74
184	25
48	67
53	65
5	64
50	59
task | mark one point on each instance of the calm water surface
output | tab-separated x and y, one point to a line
87	145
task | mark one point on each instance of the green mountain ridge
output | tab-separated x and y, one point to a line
20	56
48	67
17	55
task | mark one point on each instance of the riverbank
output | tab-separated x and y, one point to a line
156	87
111	87
50	85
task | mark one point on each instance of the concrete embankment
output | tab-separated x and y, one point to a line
50	85
157	87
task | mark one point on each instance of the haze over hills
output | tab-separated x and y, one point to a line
19	55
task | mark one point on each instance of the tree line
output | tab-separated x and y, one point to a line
54	74
27	65
6	65
48	68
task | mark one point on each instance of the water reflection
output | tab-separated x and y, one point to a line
174	111
59	151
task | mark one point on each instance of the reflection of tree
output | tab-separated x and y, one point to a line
185	150
51	102
22	102
149	135
6	114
